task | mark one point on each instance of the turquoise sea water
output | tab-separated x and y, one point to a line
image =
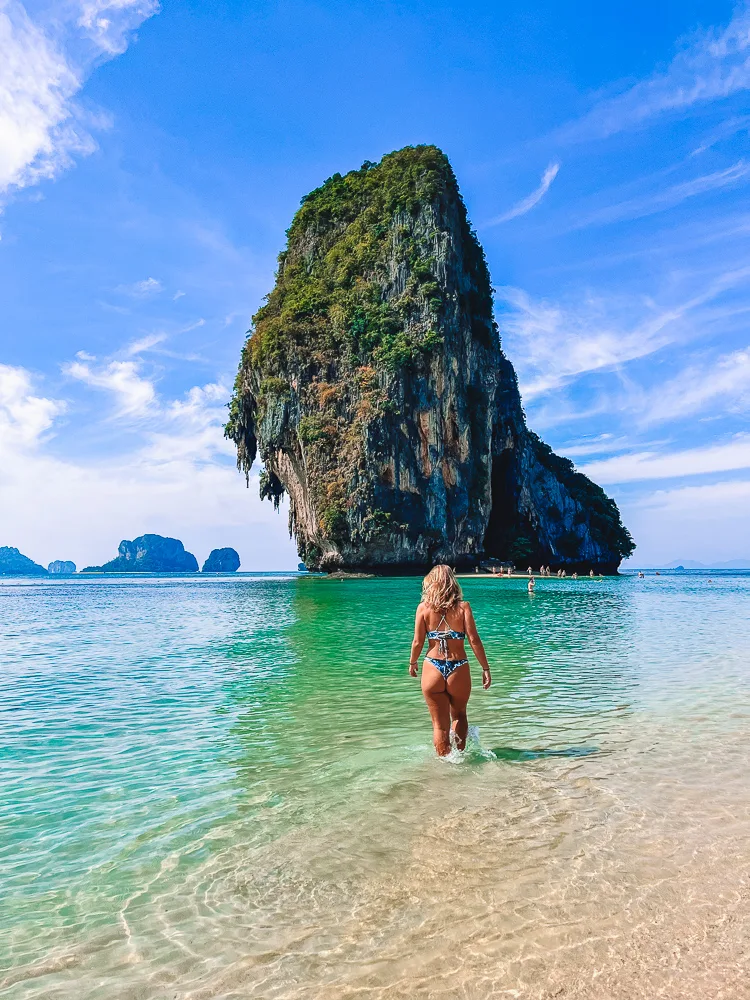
225	787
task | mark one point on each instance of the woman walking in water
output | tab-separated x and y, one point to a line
444	618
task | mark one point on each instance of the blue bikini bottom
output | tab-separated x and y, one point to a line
446	667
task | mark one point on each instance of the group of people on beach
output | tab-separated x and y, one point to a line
545	571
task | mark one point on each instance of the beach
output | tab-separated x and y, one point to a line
225	787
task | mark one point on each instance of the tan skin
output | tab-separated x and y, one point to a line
447	699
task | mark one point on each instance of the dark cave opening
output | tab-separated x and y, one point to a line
503	514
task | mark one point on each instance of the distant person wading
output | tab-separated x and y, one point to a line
445	619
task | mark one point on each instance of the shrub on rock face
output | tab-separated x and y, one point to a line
222	561
14	563
64	566
149	554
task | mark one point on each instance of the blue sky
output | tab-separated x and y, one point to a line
151	158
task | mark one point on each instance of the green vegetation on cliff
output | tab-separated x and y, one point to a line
347	244
329	292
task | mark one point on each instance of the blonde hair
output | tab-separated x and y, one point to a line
441	589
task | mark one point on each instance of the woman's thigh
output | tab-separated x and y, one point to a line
459	688
436	695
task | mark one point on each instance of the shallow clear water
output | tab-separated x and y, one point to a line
209	791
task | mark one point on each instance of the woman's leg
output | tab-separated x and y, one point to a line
459	689
434	691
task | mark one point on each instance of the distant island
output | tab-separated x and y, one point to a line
149	554
222	561
146	554
14	563
694	564
64	566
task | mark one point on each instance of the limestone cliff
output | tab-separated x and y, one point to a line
374	386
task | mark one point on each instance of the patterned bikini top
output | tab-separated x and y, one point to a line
443	635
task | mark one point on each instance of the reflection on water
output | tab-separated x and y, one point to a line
226	788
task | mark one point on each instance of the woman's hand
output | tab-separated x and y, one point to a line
414	669
486	678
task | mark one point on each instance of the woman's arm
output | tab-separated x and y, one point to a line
417	643
476	644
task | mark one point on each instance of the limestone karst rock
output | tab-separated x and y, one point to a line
374	386
14	563
225	560
64	566
149	554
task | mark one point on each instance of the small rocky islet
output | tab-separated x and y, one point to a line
226	560
14	563
374	389
62	567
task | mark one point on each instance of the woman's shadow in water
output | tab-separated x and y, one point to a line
514	754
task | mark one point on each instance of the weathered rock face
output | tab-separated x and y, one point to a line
14	563
149	554
222	561
61	566
376	390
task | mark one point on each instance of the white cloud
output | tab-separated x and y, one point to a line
646	465
135	395
526	204
179	480
41	70
24	417
715	65
37	136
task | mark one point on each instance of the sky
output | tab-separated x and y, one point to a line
152	157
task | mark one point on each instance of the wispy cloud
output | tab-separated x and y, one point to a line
553	343
526	204
659	201
142	289
42	69
143	344
719	386
644	465
725	131
711	66
726	498
109	23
